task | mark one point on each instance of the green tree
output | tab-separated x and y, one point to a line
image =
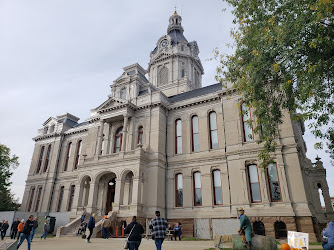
283	60
7	164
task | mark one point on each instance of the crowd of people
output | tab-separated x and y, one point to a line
23	230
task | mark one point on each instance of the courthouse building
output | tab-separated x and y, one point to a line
161	141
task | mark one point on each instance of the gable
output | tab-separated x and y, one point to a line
112	102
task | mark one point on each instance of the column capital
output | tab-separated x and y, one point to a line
125	115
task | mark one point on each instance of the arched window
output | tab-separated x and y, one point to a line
39	192
179	190
52	128
40	160
163	76
195	132
102	145
254	184
213	130
280	230
70	202
68	154
60	198
321	196
217	187
118	140
78	153
274	187
178	136
140	135
47	159
258	228
182	73
32	194
123	93
46	130
197	189
247	128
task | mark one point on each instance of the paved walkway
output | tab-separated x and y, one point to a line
74	243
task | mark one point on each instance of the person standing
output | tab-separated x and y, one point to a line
34	228
158	226
91	225
329	234
135	230
46	229
83	215
4	228
13	228
20	228
26	233
246	227
105	225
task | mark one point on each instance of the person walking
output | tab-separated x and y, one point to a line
13	228
34	228
83	215
20	228
105	226
91	225
328	233
46	229
26	232
245	227
4	228
158	226
135	230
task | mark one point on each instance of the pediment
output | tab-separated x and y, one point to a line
112	102
50	121
160	57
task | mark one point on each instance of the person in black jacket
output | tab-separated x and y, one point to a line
27	231
13	228
134	235
34	228
91	225
4	228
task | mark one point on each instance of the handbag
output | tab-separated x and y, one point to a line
126	244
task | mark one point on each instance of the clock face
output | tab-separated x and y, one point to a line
164	43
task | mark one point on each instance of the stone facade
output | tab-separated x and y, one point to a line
167	143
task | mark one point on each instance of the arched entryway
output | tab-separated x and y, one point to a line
106	192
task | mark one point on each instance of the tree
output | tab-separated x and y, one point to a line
283	60
7	164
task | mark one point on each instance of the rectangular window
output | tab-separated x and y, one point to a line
47	159
32	194
195	142
254	183
41	153
197	189
179	190
60	200
68	154
217	188
275	190
247	128
39	192
178	136
70	203
77	158
213	130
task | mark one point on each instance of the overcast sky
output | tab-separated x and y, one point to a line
61	56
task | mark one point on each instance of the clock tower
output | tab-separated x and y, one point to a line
174	65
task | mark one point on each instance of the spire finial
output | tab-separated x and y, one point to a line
175	13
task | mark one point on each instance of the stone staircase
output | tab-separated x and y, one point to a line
71	228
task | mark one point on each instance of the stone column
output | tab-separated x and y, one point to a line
76	198
117	194
207	193
92	197
125	132
263	186
187	192
245	196
65	198
99	138
108	139
283	183
135	191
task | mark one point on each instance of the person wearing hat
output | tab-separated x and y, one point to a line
105	225
245	226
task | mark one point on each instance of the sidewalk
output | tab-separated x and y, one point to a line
73	243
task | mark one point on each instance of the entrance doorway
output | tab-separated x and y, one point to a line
110	195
